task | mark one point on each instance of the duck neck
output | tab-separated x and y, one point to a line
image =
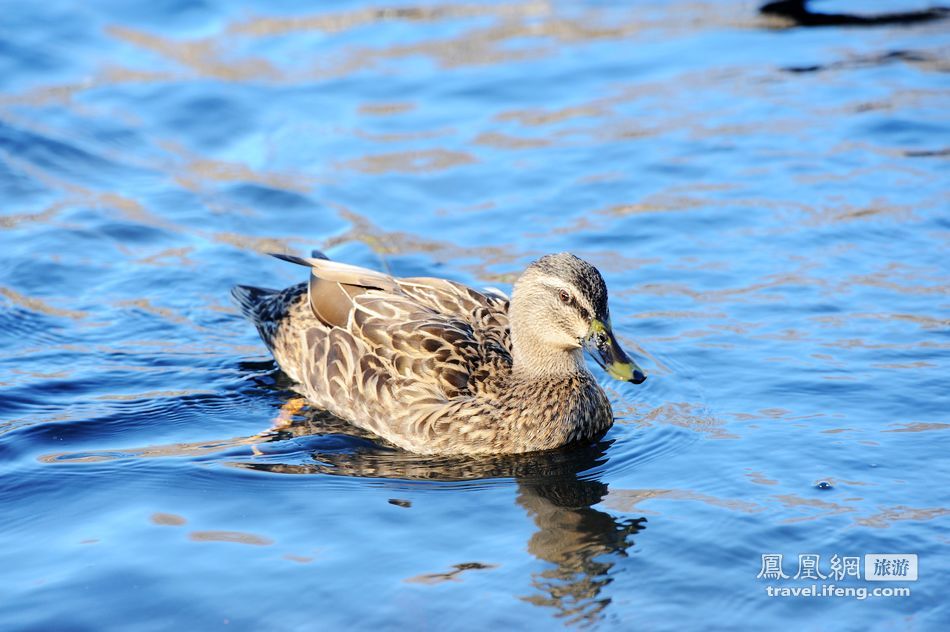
533	358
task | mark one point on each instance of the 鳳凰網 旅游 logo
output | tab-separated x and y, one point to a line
851	570
890	567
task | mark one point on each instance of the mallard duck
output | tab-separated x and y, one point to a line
435	367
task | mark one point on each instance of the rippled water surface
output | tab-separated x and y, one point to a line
768	205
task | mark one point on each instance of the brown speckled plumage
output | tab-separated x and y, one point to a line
427	364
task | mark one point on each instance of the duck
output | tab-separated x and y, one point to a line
798	12
433	366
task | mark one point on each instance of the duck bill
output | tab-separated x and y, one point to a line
607	352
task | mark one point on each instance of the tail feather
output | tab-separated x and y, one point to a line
252	299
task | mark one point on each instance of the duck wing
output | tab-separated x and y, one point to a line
400	339
486	313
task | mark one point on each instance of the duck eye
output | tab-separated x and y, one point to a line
565	296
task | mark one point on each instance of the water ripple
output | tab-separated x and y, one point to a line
766	202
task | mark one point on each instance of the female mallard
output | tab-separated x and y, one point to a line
434	367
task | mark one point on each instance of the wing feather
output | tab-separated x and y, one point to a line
416	342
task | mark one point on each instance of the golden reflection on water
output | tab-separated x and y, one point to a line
390	108
262	245
38	305
821	508
14	220
689	415
388	243
541	24
760	479
500	140
545	25
195	172
237	537
164	313
347	20
178	257
919	427
404	137
411	161
205	58
886	517
167	519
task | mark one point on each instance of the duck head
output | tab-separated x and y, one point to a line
559	308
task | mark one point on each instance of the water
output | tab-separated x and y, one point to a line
767	205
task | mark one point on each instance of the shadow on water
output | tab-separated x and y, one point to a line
557	489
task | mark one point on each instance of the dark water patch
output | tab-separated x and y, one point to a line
125	420
907	56
258	196
23	193
928	153
171	15
17	324
20	58
133	235
62	158
641	448
902	131
32	45
207	121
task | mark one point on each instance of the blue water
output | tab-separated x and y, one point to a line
768	205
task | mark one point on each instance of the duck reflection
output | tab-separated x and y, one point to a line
574	537
558	489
